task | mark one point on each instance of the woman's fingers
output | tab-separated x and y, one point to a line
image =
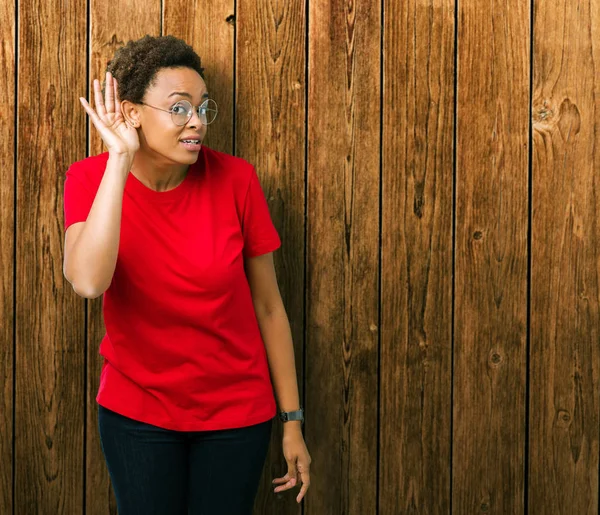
93	115
109	92
100	109
298	473
117	99
105	133
281	480
290	480
305	478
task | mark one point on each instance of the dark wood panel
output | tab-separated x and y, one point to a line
563	472
49	335
491	258
210	29
108	32
7	229
416	255
270	91
343	254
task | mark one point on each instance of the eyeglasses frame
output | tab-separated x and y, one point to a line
195	108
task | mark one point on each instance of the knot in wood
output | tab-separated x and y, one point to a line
543	113
563	418
495	358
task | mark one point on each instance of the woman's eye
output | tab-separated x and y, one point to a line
178	109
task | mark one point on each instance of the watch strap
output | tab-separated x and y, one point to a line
288	416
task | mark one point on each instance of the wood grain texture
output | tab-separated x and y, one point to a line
49	335
270	114
7	264
209	26
343	254
491	257
563	472
416	254
107	33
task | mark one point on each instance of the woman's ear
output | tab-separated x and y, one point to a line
131	113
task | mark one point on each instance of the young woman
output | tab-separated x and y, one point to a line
179	240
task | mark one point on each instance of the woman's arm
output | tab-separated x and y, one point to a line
91	247
275	329
276	333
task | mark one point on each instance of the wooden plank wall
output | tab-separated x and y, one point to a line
433	168
565	256
490	307
49	344
7	258
416	257
343	253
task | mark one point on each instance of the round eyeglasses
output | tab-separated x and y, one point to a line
181	112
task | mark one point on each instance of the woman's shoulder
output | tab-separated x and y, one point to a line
234	167
90	169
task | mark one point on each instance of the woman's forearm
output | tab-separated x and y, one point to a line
276	333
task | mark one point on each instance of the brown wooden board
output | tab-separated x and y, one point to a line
416	255
565	257
270	134
50	345
343	254
7	231
488	448
108	32
210	28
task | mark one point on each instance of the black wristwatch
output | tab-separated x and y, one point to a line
287	416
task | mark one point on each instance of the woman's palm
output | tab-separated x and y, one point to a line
117	134
116	125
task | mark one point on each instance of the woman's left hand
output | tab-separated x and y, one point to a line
298	462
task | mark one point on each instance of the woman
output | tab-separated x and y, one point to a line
179	240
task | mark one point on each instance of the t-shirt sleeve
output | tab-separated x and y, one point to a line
78	196
260	235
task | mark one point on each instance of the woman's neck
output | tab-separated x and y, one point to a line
156	175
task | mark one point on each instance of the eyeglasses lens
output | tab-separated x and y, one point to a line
182	112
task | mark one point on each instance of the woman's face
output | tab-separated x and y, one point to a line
159	135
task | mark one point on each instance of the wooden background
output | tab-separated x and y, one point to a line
433	167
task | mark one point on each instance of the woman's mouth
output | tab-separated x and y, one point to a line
193	145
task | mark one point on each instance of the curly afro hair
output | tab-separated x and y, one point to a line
136	64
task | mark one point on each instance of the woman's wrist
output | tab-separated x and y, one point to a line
119	164
121	158
292	427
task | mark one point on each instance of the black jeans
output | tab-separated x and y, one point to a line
157	471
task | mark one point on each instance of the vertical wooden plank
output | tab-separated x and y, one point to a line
7	228
491	257
416	286
108	32
49	316
563	470
210	29
270	133
343	254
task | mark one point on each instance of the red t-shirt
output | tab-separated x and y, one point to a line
183	349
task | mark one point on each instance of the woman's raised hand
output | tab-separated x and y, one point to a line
118	135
